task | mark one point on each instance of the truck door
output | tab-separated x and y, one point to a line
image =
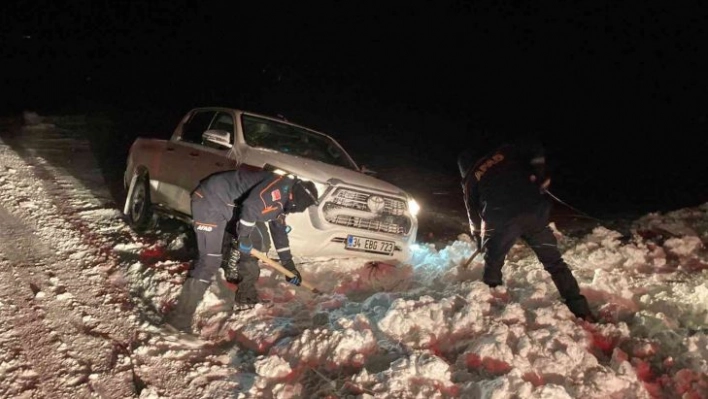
181	154
210	157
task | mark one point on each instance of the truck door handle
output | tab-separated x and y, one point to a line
194	154
170	148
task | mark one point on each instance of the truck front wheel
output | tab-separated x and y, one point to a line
138	206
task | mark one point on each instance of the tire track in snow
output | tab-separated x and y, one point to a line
18	241
55	310
94	306
24	318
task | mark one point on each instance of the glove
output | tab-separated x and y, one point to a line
245	245
290	265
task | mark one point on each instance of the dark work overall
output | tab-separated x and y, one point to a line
512	206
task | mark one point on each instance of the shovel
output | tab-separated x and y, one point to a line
278	267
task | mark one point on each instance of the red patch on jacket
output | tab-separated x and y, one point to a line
275	195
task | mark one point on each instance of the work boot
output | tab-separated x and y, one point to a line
580	308
492	277
245	299
245	305
569	290
189	298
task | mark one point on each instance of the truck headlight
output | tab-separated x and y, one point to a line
413	206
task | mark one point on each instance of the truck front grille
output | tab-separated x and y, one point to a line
367	211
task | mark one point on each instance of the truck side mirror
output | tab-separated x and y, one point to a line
216	138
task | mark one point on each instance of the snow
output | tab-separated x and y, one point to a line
81	294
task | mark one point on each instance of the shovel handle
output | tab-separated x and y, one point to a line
474	255
278	267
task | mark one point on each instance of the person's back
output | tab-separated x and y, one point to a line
261	196
504	184
501	179
229	185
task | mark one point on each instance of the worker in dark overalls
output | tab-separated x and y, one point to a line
505	196
256	196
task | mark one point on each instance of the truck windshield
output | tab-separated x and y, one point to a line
265	133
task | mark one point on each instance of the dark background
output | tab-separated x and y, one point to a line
618	94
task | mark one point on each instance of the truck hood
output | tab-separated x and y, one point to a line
316	170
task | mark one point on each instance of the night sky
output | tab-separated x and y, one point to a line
618	94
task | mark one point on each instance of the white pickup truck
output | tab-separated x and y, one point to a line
358	215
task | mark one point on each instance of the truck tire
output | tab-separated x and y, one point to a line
138	207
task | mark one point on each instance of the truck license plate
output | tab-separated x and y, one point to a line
356	243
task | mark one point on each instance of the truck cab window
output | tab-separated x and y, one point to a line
197	125
225	122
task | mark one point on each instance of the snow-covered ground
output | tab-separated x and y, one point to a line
81	294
